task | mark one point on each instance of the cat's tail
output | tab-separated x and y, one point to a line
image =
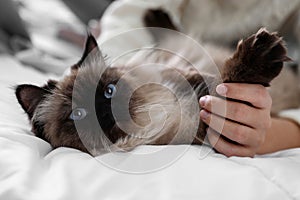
258	59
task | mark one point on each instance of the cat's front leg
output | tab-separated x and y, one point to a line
258	59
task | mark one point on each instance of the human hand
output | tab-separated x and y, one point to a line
244	125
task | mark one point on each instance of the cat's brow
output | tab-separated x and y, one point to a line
62	95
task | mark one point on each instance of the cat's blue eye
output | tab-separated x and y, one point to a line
110	91
78	114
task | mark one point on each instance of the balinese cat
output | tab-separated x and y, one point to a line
97	107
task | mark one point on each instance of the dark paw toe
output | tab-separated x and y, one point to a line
269	46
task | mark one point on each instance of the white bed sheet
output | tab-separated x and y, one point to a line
31	170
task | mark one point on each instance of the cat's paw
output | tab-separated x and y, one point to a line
158	18
258	59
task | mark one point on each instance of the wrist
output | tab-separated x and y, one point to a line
283	134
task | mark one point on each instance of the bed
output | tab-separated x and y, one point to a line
31	170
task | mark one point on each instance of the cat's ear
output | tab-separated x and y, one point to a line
90	45
29	96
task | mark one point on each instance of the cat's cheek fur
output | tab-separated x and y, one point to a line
58	130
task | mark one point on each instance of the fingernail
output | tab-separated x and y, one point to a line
204	114
203	101
221	89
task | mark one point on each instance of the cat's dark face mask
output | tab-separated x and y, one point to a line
76	111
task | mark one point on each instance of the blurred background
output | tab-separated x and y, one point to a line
47	34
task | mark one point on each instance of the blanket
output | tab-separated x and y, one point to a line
31	170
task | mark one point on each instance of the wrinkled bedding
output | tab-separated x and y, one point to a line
31	170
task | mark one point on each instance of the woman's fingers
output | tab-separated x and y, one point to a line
227	148
241	134
235	111
255	94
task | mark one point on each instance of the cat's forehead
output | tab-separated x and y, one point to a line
85	82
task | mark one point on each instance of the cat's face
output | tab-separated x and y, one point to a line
98	108
75	111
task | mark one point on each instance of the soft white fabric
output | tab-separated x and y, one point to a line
114	40
223	22
31	170
293	114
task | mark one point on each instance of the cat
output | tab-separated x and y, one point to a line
99	107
